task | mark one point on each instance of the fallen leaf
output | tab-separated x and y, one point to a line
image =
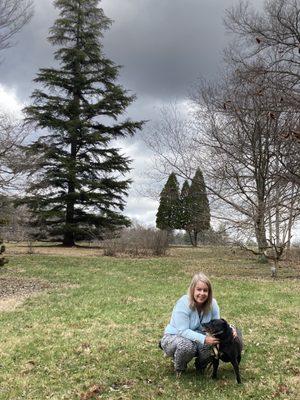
93	391
29	366
281	389
160	391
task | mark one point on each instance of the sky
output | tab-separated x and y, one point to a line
164	46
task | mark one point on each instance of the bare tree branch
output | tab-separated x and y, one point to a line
13	161
14	14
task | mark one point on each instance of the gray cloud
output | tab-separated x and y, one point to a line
164	45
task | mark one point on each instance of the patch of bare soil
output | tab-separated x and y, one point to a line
79	251
14	291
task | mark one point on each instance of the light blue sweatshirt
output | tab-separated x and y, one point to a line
187	323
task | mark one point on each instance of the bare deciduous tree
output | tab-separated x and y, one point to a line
242	138
247	125
13	161
272	36
14	14
171	139
268	44
237	140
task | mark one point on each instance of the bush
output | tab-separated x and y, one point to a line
293	254
111	247
3	260
138	241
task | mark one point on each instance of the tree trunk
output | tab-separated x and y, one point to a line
195	238
170	235
69	237
68	240
191	237
277	215
260	233
270	226
291	218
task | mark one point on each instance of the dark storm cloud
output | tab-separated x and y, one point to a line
164	46
31	51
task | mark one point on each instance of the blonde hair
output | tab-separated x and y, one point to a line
192	303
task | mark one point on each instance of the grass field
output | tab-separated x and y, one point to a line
93	333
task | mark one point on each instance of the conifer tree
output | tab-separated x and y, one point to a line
79	183
198	215
167	217
183	208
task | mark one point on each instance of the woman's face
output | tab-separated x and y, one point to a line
201	293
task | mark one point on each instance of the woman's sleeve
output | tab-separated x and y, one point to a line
181	321
215	314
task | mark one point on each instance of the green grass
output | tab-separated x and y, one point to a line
98	332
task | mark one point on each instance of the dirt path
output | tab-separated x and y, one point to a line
14	291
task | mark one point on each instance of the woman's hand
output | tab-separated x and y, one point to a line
210	340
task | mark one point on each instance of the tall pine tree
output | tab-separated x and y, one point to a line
198	214
167	217
79	183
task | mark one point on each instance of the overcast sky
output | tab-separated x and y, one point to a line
163	45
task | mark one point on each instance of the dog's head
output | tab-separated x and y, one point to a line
219	328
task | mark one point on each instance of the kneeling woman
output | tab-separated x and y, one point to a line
184	337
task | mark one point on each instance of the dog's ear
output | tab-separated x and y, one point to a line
224	320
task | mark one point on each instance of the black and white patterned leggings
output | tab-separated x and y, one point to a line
184	350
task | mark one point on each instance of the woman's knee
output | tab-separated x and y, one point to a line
168	344
186	346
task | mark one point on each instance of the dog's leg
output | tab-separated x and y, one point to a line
215	368
236	370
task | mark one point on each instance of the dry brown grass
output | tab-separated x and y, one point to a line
13	302
212	260
231	262
52	249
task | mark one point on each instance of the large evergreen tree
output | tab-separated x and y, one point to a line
167	217
79	181
198	214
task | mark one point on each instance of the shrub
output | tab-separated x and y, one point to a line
293	254
111	247
137	241
159	242
3	260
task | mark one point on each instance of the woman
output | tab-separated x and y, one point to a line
184	337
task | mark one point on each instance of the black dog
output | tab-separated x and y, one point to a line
230	347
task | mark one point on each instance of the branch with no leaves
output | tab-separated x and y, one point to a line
14	14
13	161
